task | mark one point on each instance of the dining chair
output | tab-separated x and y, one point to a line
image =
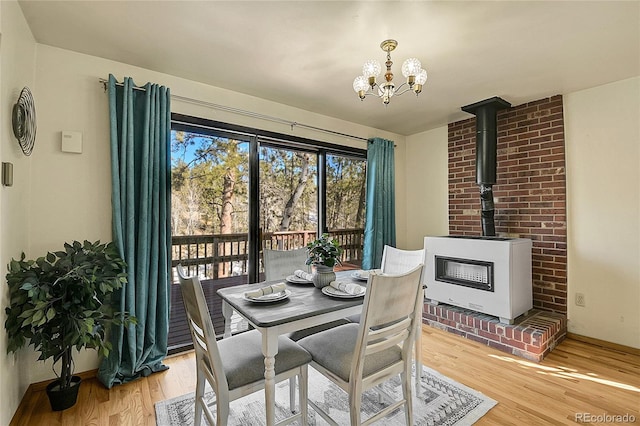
278	264
358	357
234	367
397	261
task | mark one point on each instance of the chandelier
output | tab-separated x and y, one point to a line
365	84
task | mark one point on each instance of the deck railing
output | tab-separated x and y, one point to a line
217	256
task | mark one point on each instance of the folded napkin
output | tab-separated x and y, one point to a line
348	288
273	288
304	275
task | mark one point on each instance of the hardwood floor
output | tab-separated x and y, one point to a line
576	377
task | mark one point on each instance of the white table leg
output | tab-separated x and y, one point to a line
227	311
269	350
418	344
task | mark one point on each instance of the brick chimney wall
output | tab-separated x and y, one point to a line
530	193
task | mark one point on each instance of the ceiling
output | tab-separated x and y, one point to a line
307	53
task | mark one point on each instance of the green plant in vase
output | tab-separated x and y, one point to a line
61	301
324	254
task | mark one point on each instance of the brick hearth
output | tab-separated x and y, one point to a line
532	336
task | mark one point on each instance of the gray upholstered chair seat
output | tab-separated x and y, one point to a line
333	349
243	360
354	318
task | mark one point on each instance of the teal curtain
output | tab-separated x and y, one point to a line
141	197
380	221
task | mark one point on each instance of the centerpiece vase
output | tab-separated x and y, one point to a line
323	275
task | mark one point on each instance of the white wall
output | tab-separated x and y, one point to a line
426	177
603	210
71	192
401	190
17	64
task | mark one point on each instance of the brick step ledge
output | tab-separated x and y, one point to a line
532	336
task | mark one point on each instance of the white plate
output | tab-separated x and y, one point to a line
360	275
334	292
297	280
272	297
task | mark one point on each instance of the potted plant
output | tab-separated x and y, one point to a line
61	301
324	254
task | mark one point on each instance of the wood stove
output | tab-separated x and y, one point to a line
491	275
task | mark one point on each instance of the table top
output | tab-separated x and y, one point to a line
305	301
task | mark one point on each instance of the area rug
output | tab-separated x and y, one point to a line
441	401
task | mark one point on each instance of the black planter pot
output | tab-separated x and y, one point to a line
61	399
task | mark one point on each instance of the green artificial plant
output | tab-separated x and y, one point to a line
61	301
324	251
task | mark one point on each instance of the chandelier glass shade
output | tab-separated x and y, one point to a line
366	84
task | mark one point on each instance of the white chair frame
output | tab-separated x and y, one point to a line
388	319
278	264
397	261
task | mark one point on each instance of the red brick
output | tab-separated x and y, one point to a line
534	349
553	118
551	130
489	336
513	343
499	346
517	334
467	329
448	322
477	339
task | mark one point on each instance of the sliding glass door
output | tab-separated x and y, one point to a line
345	205
288	197
209	218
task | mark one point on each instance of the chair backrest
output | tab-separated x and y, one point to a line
388	315
202	331
396	261
278	264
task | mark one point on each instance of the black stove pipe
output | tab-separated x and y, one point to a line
487	155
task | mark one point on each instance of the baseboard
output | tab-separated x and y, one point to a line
604	344
35	387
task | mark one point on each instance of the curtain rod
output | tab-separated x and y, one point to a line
243	112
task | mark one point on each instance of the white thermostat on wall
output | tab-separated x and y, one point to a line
72	142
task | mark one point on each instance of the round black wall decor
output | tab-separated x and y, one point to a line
23	121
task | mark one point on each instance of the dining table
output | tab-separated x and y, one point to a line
305	306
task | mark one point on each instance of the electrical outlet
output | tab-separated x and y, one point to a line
580	299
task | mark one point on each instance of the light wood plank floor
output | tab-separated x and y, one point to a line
575	378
